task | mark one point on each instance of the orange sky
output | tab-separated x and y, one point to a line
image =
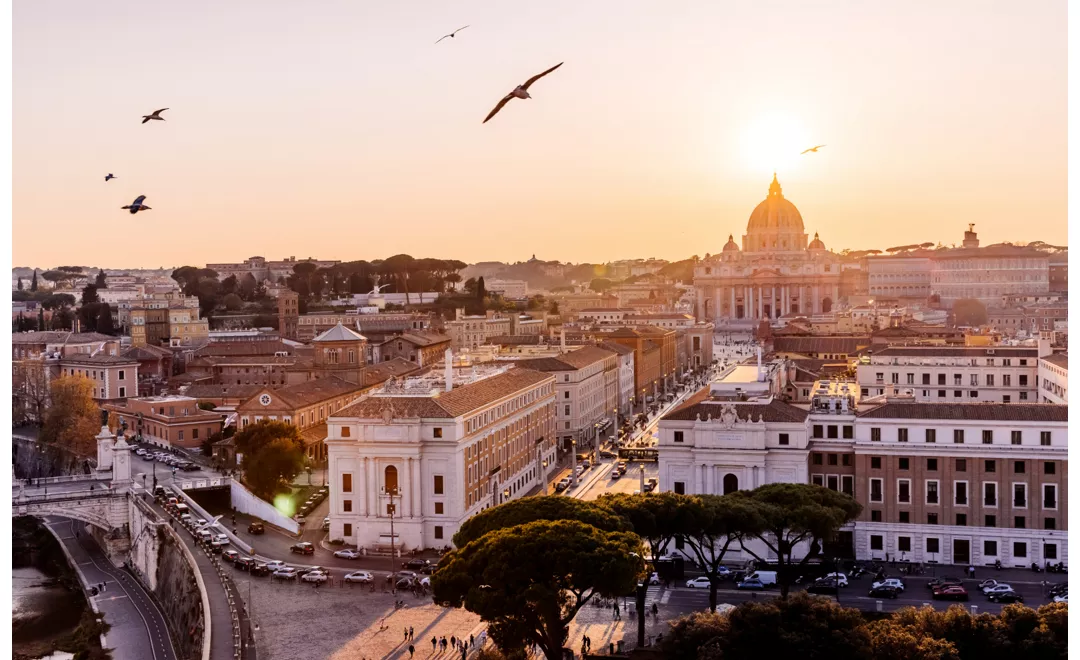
336	129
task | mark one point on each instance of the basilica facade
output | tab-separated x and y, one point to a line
776	272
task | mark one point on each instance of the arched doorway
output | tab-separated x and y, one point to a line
826	306
731	483
390	482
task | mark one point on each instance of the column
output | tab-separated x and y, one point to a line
700	304
760	302
817	300
783	300
787	299
416	489
367	486
748	302
836	294
731	312
704	479
716	304
372	488
774	307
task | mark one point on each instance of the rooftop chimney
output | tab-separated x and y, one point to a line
449	369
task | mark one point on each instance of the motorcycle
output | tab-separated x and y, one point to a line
1035	568
1056	568
997	565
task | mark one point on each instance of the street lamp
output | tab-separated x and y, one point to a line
393	583
573	462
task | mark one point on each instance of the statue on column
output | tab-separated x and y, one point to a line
105	418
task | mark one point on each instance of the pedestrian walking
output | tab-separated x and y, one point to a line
412	633
655	610
472	642
453	641
434	642
971	571
406	635
412	650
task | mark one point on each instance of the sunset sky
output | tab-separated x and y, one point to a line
337	129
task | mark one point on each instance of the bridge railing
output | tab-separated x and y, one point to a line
41	496
66	479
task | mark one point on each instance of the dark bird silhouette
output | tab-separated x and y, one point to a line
110	175
451	35
156	114
814	149
137	205
520	92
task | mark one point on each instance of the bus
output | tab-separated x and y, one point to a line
648	455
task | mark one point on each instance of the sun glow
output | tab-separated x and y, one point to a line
773	143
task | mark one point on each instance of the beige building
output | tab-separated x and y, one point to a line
1053	378
472	331
988	274
904	275
433	460
775	273
422	347
114	378
167	420
186	328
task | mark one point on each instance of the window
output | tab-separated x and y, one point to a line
1017	437
347	530
345	432
438	484
1049	467
895	378
958	436
817	459
1049	496
926	379
989	494
941	394
931	492
194	434
905	517
990	521
901	435
439	508
1019	467
875	515
346	482
849	432
438	532
832	459
123	391
847	485
566	412
1020	496
961	465
875	434
833	482
181	435
819	431
679	437
783	438
346	506
680	487
988	437
1050	551
877	542
1044	438
120	375
875	462
845	459
1019	549
931	435
903	493
437	432
875	490
1023	382
990	548
933	545
974	394
817	479
1049	523
903	463
566	394
960	490
990	466
390	480
910	379
931	464
903	543
833	431
989	378
941	379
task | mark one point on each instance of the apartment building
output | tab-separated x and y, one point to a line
167	420
584	393
113	377
1053	378
433	460
954	374
472	331
419	346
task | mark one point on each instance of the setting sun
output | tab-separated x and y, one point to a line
774	142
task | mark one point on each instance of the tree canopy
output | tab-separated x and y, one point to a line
713	524
529	581
270	469
656	517
72	420
969	312
530	509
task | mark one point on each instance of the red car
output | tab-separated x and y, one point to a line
951	592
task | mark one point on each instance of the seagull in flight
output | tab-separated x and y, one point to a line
451	35
110	175
156	114
520	92
208	524
137	205
814	149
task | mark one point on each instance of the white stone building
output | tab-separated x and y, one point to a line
1054	378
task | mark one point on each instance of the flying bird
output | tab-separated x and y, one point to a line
520	92
110	175
814	149
208	524
137	205
451	35
156	114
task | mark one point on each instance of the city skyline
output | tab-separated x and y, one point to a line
283	138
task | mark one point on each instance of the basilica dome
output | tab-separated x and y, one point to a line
816	244
731	245
775	226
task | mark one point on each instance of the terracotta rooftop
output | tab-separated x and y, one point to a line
148	352
99	359
1008	412
232	360
1058	360
314	435
211	391
254	347
956	351
314	391
421	338
60	337
456	403
845	345
515	340
616	347
381	372
774	411
570	361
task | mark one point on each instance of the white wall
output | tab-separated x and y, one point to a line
244	501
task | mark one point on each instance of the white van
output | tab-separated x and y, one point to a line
768	578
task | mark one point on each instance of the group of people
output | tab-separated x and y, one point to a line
441	644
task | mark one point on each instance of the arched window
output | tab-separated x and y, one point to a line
731	483
390	479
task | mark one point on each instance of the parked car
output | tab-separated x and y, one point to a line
895	583
260	569
650	485
315	576
189	467
204	536
943	582
326	524
563	484
697	583
287	573
299	518
987	583
216	546
363	577
405	583
415	564
242	563
998	588
607	453
951	592
1006	597
221	538
750	584
230	556
276	565
654	578
347	553
1059	589
304	570
303	548
429	569
256	527
824	586
1063	598
884	591
840	578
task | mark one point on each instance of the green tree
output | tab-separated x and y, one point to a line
694	632
656	517
41	318
256	436
791	514
247	287
89	294
228	285
600	284
269	470
232	302
20	284
72	418
554	309
470	286
481	289
969	312
714	523
100	281
104	321
891	641
530	509
58	301
33	281
529	581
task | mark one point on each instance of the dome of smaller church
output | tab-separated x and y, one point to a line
731	246
816	244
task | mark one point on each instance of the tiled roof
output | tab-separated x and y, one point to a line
570	361
60	337
1006	412
254	347
422	338
100	359
459	401
381	372
340	333
515	340
616	348
147	352
235	360
314	435
774	411
315	391
1058	359
210	391
955	351
846	345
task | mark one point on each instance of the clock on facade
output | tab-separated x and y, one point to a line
265	399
